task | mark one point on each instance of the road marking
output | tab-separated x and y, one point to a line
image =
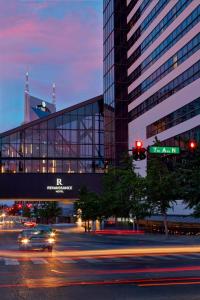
120	259
164	257
67	261
11	262
91	260
39	261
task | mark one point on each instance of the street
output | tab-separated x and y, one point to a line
88	266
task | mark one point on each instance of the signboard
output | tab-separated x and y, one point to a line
59	187
164	150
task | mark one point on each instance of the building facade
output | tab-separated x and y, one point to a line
54	156
163	74
115	88
159	44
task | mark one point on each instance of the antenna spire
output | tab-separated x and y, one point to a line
27	83
54	94
26	100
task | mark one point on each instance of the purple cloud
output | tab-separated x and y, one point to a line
56	43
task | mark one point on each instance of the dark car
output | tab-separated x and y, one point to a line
35	239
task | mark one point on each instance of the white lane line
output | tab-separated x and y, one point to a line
91	260
181	256
142	258
67	261
195	256
165	257
11	262
39	261
120	260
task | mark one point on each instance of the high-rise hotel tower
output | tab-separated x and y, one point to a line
152	62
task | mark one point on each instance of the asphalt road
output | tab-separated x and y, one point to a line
84	266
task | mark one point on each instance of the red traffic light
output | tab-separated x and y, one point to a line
138	144
29	205
192	145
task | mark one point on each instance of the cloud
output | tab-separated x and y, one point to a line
57	41
73	43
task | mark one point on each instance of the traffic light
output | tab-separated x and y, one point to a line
139	153
29	205
192	145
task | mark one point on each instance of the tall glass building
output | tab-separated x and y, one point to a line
61	146
162	69
163	73
162	44
115	88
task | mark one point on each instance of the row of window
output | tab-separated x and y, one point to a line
54	150
170	41
56	137
51	166
187	77
109	44
108	11
109	95
147	21
131	5
138	13
173	62
158	30
182	114
109	79
108	62
108	28
181	140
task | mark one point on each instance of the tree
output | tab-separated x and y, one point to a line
49	211
125	192
162	186
188	167
89	205
139	206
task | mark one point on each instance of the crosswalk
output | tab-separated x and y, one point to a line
100	260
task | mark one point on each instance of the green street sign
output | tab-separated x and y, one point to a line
164	150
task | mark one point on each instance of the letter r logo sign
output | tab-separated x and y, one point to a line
59	181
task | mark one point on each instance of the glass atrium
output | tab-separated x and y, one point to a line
68	141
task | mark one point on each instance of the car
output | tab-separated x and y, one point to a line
35	239
46	228
29	224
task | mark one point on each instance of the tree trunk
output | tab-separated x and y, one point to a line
85	227
165	224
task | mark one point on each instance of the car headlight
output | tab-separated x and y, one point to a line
51	241
52	234
25	241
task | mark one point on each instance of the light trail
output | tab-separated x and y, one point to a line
136	251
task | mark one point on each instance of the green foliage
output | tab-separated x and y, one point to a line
188	168
90	205
49	211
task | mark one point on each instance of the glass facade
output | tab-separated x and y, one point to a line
184	79
170	41
115	88
109	80
138	13
69	141
173	62
182	114
147	21
182	139
158	30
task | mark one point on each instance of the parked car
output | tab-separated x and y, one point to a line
35	239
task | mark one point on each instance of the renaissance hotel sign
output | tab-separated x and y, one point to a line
59	187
